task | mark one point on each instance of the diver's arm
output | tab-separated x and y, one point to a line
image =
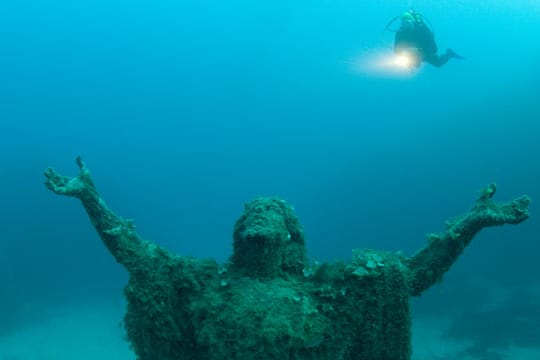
118	234
403	41
430	263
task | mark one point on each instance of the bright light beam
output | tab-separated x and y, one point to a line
384	64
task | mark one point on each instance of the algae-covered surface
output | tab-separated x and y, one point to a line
267	301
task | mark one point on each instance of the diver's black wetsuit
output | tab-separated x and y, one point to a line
420	39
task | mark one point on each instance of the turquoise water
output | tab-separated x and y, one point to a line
185	110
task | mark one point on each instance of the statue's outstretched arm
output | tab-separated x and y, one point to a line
430	263
117	233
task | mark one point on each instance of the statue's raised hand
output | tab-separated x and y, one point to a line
77	186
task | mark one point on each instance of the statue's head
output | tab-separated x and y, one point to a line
268	240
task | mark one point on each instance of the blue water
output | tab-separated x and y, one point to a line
185	110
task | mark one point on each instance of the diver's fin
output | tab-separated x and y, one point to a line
452	54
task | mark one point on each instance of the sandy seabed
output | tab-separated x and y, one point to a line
94	331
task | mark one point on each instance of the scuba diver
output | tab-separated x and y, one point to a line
415	39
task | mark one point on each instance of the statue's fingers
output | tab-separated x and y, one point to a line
55	182
49	173
520	207
80	163
51	179
49	185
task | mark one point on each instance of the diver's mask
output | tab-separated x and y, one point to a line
407	20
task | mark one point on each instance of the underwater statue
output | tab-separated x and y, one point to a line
268	301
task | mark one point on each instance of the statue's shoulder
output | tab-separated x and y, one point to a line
375	263
364	263
367	271
190	273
